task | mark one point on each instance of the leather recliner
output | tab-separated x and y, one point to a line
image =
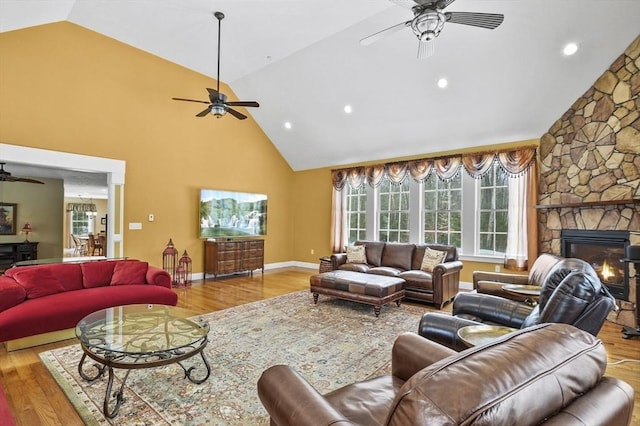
572	294
492	282
524	378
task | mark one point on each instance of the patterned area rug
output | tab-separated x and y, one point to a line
331	344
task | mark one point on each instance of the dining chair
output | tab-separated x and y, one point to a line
79	246
95	245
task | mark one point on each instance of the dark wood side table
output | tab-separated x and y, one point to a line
325	264
629	332
11	253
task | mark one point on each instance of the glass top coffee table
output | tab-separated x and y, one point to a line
139	336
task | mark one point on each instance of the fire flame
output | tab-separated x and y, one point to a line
607	271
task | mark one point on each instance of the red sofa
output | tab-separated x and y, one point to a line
49	298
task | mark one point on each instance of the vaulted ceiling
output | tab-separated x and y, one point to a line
302	60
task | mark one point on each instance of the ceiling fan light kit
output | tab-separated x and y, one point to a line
429	19
218	105
427	26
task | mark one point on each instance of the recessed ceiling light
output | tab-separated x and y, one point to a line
348	109
287	125
442	83
570	49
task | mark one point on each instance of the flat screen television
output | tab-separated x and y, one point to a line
230	214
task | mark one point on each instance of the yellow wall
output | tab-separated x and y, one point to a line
34	206
312	191
66	88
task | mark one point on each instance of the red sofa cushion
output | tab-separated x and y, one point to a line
97	274
69	275
38	282
64	310
11	293
129	272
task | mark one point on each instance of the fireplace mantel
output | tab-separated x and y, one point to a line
589	204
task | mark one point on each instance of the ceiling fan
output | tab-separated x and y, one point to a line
429	19
218	105
6	177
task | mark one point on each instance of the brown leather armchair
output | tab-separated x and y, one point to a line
572	294
492	282
525	378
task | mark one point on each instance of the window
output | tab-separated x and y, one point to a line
443	211
394	211
476	206
356	201
79	223
494	204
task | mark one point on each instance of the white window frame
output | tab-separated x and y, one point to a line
395	190
470	217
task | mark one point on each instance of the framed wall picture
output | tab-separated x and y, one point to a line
8	218
103	221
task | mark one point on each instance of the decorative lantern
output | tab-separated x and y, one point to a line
184	270
169	260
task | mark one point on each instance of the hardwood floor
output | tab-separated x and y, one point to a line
35	398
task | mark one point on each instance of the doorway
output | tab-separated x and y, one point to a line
114	170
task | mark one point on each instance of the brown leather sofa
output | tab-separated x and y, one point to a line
571	294
492	282
403	260
548	374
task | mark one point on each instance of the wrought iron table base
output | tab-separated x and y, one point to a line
119	394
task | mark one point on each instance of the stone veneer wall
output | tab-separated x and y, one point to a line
590	161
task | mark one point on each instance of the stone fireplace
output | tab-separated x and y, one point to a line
590	166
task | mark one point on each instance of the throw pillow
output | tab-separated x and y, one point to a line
431	259
356	254
129	272
97	274
11	293
38	281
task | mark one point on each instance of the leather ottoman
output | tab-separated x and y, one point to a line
376	290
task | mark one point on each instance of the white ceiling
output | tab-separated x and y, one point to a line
77	183
302	61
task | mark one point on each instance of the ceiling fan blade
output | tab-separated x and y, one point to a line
190	100
444	3
377	36
5	176
205	112
426	49
475	19
243	103
236	114
26	180
407	4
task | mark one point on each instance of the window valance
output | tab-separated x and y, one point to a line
81	207
514	162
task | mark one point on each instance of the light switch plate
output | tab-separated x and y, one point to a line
135	225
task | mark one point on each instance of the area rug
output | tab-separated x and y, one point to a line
331	344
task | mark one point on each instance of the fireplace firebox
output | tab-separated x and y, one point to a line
603	250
